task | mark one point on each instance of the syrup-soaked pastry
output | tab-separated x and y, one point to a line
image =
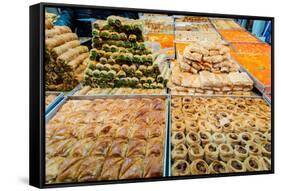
234	165
52	168
195	151
263	125
138	132
253	149
246	136
82	147
211	152
90	168
259	137
266	163
216	127
187	108
102	146
177	116
136	148
232	139
60	147
191	126
218	138
131	168
118	148
238	126
187	100
178	137
189	117
111	168
68	171
268	136
204	126
266	149
241	153
217	167
205	137
178	126
176	102
153	167
180	168
179	152
252	163
105	131
122	132
155	130
199	166
225	152
250	124
192	138
154	147
58	131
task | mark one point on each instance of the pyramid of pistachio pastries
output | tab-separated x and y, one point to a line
119	57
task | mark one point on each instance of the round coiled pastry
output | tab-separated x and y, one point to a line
211	152
238	127
189	117
240	152
249	101
232	139
259	137
195	151
178	126
187	100
234	165
263	125
199	166
240	101
178	137
253	149
199	100
218	138
230	107
241	108
192	138
179	152
246	136
265	162
191	126
176	102
187	108
266	149
180	168
216	127
250	124
225	152
252	163
268	136
204	125
205	137
217	167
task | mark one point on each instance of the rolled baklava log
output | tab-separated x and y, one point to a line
253	149
195	151
225	152
211	152
232	139
192	138
259	137
179	152
266	149
241	153
191	125
178	126
246	136
199	166
180	168
178	137
217	167
252	163
234	165
266	163
205	137
218	138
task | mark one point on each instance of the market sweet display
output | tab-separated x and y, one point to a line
119	57
213	135
64	58
106	139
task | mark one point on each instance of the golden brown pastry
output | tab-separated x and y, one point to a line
138	132
52	168
266	163
179	152
217	167
253	149
178	126
180	168
90	168
241	153
136	148
152	167
154	147
155	130
232	139
205	137
192	138
195	151
218	138
59	147
111	168
102	146
246	136
234	165
178	137
252	163
199	166
191	126
225	152
131	168
68	170
82	147
266	149
259	137
211	152
204	126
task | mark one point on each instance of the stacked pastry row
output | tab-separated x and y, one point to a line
88	90
220	135
206	57
234	83
120	58
106	139
64	58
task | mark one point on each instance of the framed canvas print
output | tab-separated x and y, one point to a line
122	95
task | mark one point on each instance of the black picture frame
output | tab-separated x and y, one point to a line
37	95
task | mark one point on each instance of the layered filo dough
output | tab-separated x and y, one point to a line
106	139
212	135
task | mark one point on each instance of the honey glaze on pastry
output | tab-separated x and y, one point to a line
205	137
180	168
179	152
218	138
226	152
245	136
253	149
241	153
195	151
234	165
178	126
192	138
199	166
217	167
232	139
211	152
131	168
253	164
178	138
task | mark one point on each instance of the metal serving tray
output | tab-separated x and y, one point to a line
52	113
59	97
169	148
